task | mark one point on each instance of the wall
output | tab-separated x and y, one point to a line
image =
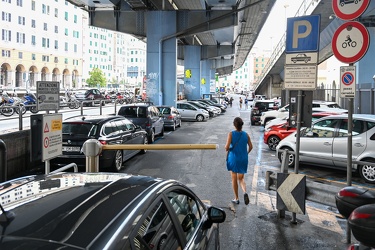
18	153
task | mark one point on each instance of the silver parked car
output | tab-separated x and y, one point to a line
325	144
191	112
172	118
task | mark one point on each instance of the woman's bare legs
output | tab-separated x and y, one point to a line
241	180
234	184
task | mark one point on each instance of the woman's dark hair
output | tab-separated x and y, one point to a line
238	123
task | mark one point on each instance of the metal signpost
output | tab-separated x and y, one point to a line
350	43
302	46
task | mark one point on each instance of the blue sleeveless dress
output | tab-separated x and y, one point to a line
238	157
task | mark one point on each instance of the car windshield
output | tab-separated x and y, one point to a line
133	112
164	110
79	129
334	105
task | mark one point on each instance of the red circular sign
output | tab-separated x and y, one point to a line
46	142
347	78
350	42
349	9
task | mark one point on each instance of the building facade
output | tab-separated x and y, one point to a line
40	41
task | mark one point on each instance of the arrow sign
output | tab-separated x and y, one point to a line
291	192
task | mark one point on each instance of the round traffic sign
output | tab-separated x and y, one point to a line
347	78
46	142
349	9
350	42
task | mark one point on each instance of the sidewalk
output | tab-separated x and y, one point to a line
257	225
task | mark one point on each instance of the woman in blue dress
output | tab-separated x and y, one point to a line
239	146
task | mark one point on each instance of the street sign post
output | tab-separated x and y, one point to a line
48	95
348	81
350	42
349	9
302	34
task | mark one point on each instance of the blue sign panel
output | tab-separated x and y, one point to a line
302	34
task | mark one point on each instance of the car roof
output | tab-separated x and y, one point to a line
138	104
367	117
62	207
97	119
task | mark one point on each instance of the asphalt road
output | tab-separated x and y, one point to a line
255	226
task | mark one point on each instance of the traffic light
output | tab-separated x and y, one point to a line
188	73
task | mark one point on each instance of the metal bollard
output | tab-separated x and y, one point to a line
3	161
92	148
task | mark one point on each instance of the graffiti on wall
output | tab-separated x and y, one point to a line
152	84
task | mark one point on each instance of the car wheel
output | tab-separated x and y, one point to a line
151	137
273	141
145	142
174	126
291	157
367	172
117	164
162	131
179	124
200	118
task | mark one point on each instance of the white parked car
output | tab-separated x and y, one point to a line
325	144
317	106
191	112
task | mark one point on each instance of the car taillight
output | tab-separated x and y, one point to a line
148	125
103	142
346	193
170	117
358	215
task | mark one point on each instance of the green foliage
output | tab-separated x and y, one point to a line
96	77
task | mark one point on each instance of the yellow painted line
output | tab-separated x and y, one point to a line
254	185
323	219
161	146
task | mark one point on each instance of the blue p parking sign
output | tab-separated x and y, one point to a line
303	34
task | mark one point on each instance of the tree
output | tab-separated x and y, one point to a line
96	77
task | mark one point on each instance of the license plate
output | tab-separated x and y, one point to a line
71	149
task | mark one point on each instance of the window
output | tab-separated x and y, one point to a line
66	46
324	128
358	128
187	211
20	55
66	31
33	57
6	16
75	18
56	44
19	3
5	53
56	60
157	225
45	58
6	35
75	48
33	25
33	5
20	37
56	29
66	60
66	16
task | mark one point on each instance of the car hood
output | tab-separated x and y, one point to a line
63	207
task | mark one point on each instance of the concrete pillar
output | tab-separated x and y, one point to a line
161	83
365	71
192	62
206	75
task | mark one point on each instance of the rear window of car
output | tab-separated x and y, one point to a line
133	112
265	105
79	129
164	110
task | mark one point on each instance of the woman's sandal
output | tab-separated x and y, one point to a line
236	201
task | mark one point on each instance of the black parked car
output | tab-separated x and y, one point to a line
145	115
260	106
104	211
108	130
86	95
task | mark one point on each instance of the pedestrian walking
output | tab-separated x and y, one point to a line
231	101
246	103
238	147
241	102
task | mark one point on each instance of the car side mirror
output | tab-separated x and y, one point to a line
215	215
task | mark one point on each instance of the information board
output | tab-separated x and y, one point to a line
48	95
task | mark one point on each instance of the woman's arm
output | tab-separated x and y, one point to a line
229	139
250	144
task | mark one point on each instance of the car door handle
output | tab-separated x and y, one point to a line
327	144
360	145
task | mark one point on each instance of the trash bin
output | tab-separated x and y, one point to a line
362	223
349	198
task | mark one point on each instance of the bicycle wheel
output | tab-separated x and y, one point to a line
7	111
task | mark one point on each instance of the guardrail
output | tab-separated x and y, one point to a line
316	192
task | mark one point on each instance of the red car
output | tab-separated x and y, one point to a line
274	134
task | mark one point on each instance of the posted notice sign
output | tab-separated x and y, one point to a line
48	95
348	81
51	136
300	77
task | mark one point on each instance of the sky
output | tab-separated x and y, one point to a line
275	26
